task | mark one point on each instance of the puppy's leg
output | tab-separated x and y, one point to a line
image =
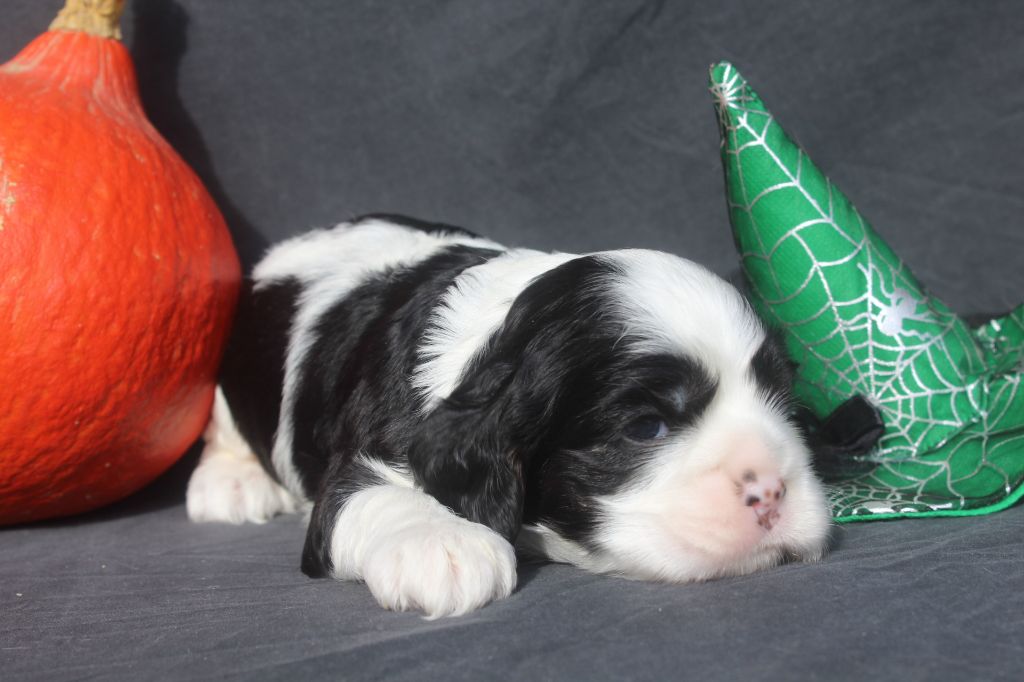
230	484
410	550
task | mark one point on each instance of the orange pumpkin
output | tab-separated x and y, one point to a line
118	278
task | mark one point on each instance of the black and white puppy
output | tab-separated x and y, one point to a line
437	398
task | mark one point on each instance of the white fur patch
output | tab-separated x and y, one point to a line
415	554
229	484
470	312
678	305
330	263
539	540
353	250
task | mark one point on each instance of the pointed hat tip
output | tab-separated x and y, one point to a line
719	71
726	74
719	66
731	92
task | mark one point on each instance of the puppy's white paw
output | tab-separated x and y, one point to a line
233	488
443	567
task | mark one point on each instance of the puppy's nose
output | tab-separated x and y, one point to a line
763	493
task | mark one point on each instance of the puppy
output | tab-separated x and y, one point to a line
437	398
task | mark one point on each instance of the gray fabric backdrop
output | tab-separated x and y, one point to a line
572	125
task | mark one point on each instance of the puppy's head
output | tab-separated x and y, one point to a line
630	416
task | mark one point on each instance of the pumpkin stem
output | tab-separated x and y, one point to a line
96	17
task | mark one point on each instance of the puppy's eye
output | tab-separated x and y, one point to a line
647	428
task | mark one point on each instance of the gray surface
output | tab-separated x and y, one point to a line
136	592
577	125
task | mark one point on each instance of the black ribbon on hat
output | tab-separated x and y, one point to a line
841	441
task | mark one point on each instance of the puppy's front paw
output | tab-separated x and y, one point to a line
234	489
441	567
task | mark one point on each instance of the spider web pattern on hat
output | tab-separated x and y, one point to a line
858	322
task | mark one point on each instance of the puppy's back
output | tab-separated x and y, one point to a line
290	290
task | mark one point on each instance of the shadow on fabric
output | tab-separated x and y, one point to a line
159	41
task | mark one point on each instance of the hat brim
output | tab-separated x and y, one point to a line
992	480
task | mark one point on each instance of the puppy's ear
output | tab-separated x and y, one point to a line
463	453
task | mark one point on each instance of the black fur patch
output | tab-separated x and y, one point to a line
355	394
772	369
474	450
354	384
252	372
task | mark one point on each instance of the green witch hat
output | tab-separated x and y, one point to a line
858	323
